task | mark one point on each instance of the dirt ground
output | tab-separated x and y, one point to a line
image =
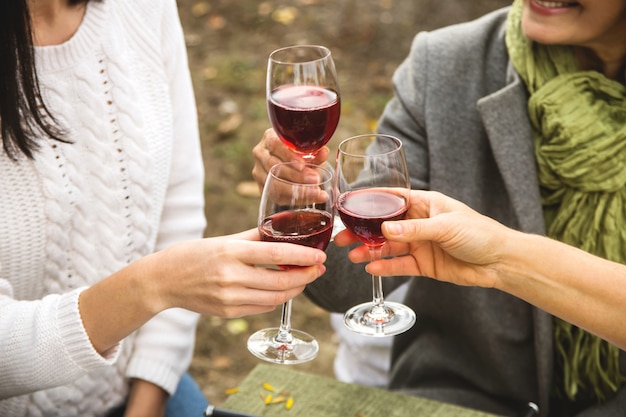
228	44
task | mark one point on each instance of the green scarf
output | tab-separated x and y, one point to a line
579	130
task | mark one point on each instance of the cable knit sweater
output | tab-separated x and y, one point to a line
130	183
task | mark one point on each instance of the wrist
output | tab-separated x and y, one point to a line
149	286
116	306
513	263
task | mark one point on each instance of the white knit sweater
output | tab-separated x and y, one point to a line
129	184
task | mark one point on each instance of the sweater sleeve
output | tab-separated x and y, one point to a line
164	345
39	339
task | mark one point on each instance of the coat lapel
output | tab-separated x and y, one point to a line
505	118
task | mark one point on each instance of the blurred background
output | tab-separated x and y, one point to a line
228	43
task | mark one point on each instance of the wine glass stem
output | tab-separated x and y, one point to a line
284	332
377	284
377	290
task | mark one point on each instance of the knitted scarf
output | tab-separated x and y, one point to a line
579	131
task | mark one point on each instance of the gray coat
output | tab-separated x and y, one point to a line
460	109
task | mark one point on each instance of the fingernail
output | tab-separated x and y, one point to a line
394	228
320	258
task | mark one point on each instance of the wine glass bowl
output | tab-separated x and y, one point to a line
297	206
303	100
372	185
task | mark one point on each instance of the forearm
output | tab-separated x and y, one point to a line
117	306
146	399
572	284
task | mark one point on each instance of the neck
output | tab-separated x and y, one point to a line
54	21
609	61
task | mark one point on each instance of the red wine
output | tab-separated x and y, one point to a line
364	211
304	117
304	227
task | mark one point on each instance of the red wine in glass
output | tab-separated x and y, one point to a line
373	186
304	116
303	227
295	207
364	211
302	92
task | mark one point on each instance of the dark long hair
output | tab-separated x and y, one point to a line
23	114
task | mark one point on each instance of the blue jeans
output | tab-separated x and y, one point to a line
187	401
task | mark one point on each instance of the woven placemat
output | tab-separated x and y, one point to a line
282	391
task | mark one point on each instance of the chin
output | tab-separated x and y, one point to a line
542	34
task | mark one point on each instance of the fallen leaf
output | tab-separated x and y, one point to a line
248	189
200	8
216	22
229	125
193	39
285	15
222	362
264	9
209	73
289	403
237	326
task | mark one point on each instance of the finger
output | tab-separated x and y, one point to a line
291	280
345	238
250	234
321	156
411	230
266	155
278	150
276	253
297	172
260	175
245	310
298	184
259	171
257	301
361	253
402	265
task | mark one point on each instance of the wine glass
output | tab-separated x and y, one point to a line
373	186
299	210
303	97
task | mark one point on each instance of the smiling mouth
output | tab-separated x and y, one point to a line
555	4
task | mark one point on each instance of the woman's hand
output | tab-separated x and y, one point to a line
236	275
271	151
446	240
224	276
440	238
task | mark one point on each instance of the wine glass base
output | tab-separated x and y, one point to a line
395	319
301	347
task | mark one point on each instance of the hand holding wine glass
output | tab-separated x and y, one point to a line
373	186
297	206
303	97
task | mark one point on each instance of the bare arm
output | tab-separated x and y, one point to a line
216	276
446	240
